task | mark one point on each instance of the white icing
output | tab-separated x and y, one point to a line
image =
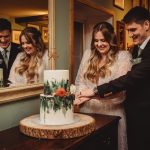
56	118
58	75
47	115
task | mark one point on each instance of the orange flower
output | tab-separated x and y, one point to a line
60	92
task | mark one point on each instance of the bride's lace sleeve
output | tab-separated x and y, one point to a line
123	63
13	77
80	81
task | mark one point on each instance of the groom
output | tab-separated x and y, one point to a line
8	49
135	82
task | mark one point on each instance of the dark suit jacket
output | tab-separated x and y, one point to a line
13	53
136	83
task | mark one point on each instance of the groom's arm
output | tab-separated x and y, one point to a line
138	75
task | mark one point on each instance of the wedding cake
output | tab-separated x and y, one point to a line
56	104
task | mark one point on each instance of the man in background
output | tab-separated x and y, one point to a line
8	49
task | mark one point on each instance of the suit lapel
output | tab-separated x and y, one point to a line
2	63
11	59
12	56
135	52
145	49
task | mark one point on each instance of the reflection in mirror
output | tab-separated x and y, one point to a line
31	62
23	67
22	14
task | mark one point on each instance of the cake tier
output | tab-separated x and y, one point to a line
55	75
55	111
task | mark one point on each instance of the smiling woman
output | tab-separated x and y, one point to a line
17	93
29	64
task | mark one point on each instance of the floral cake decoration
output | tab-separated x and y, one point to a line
58	95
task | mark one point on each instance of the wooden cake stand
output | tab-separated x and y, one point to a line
82	125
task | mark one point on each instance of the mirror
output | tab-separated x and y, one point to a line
16	11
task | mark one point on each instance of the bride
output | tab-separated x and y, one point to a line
103	63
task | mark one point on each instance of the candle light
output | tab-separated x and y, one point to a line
1	77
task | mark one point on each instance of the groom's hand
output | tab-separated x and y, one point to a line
83	96
79	101
86	93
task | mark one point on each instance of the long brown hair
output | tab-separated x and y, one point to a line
28	65
94	71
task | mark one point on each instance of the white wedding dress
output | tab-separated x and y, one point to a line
109	105
19	80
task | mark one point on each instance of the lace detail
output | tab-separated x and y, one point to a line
109	106
80	81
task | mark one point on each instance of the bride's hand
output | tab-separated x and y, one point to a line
81	100
86	93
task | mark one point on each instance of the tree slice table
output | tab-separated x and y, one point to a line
82	125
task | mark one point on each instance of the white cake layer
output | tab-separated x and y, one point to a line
58	75
56	118
50	117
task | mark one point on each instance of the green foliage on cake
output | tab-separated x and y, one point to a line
57	95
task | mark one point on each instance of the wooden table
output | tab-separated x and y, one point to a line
103	138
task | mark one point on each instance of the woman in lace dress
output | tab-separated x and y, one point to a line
32	61
104	62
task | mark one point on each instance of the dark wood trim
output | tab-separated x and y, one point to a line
96	6
119	4
31	19
121	35
71	40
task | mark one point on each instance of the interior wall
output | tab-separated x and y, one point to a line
12	113
62	33
119	13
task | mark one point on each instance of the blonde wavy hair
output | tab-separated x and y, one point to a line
94	71
27	65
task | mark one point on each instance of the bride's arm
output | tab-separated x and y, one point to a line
124	63
12	76
80	82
